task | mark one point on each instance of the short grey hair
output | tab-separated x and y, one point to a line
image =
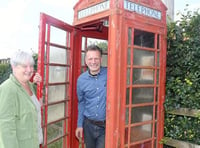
93	48
21	58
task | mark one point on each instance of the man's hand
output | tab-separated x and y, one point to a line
79	133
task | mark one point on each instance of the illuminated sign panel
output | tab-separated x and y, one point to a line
142	10
94	9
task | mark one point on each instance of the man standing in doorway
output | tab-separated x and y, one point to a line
91	92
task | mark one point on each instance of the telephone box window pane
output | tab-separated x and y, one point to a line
142	95
158	76
129	56
57	74
143	76
57	93
128	76
155	130
129	36
141	132
104	60
57	55
144	39
103	44
82	58
83	43
156	111
156	94
127	116
141	114
58	36
57	144
158	41
126	136
56	112
158	59
143	145
54	131
127	95
46	32
143	57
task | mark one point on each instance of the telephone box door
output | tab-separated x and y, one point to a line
143	92
55	66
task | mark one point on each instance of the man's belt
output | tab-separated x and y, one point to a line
98	123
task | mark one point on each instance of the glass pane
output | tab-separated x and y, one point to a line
156	94
129	56
57	144
46	33
57	55
129	36
142	95
104	60
156	108
54	131
56	93
141	114
58	36
143	145
126	136
141	132
57	74
68	39
158	41
83	43
127	96
127	116
144	39
157	79
143	76
82	58
45	54
143	58
128	76
156	130
103	44
56	112
158	59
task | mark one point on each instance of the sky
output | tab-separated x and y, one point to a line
19	27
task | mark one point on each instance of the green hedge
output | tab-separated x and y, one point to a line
183	77
5	71
3	68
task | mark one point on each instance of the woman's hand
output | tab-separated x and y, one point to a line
37	78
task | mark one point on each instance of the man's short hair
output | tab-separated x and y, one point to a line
94	48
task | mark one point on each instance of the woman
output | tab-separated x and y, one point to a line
20	110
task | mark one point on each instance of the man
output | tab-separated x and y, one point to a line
91	92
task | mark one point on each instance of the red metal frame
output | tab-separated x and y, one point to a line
43	68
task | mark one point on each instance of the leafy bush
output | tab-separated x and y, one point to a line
183	77
3	68
5	71
183	64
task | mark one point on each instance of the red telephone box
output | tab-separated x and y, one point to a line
134	34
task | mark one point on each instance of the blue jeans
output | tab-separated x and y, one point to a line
94	136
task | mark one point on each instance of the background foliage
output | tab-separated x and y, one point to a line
5	71
183	76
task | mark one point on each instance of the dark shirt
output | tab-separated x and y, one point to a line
91	92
